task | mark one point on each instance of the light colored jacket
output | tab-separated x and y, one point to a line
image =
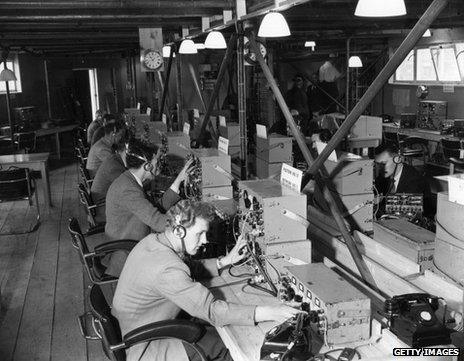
155	284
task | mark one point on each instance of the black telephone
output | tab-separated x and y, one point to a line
413	320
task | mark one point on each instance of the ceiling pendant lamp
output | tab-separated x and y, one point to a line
7	75
380	8
355	62
167	51
188	47
215	40
273	25
310	44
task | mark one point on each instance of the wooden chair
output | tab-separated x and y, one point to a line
91	260
452	150
106	326
16	184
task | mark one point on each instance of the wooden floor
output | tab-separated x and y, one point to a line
43	288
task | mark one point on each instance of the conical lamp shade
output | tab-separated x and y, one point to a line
215	40
355	62
7	75
380	8
273	25
188	47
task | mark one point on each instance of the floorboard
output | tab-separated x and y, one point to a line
42	285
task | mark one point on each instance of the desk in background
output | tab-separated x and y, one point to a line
34	161
430	135
56	131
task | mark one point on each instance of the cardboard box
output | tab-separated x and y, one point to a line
351	176
217	193
178	144
265	169
367	127
408	239
231	132
234	152
449	253
213	165
450	215
275	148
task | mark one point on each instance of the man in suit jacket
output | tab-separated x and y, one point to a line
94	125
111	168
102	149
157	283
396	177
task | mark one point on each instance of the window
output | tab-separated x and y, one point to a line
432	65
14	86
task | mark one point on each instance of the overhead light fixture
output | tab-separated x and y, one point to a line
215	40
200	46
380	8
167	51
310	44
273	25
188	47
427	34
355	62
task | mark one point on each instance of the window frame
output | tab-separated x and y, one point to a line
13	60
438	83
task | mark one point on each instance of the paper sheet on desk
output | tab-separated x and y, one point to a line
320	147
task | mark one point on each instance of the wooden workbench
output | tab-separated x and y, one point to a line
244	342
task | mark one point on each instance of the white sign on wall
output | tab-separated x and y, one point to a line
291	177
223	145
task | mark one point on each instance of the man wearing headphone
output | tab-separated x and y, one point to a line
129	214
158	281
102	149
394	176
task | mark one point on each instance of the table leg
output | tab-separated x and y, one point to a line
46	185
58	145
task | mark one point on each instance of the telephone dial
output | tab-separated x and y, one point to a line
413	320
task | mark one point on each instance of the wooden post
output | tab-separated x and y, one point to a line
180	107
432	12
242	117
217	85
166	85
193	74
362	267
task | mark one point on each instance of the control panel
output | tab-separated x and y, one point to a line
271	213
407	205
341	313
432	114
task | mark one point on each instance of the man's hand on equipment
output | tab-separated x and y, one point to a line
279	313
238	253
182	176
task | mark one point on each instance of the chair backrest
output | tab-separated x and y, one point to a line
87	201
15	184
25	141
451	148
77	237
106	324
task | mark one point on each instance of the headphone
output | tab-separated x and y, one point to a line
148	166
179	231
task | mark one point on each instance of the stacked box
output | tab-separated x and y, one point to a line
178	144
271	152
449	238
232	133
352	179
408	239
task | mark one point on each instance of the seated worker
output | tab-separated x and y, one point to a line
393	176
129	214
102	149
94	125
100	131
157	282
111	168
